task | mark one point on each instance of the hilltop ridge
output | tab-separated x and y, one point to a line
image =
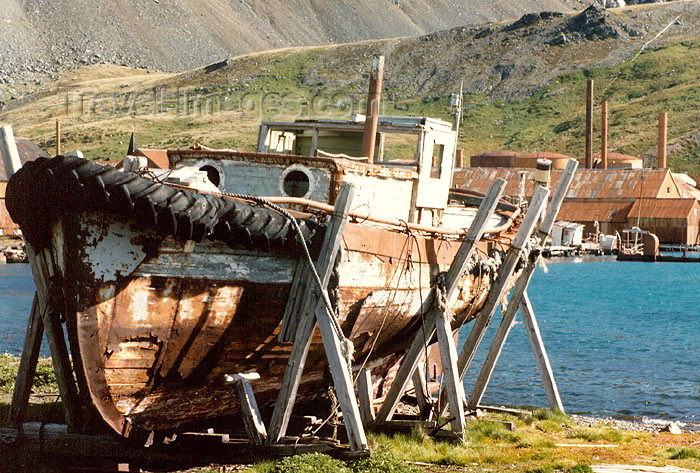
42	37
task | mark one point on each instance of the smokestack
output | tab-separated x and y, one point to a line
543	172
661	148
604	136
372	114
58	137
589	124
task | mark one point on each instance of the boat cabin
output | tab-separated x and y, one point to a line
408	177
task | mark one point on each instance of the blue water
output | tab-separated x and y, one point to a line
622	338
16	294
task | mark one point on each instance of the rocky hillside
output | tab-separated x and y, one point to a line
524	84
46	36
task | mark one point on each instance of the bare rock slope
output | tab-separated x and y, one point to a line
39	37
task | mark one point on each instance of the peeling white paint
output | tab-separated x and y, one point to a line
108	246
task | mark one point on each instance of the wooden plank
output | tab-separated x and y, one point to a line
302	340
499	287
418	348
290	318
365	393
53	439
452	382
342	381
41	266
252	419
519	290
27	367
8	149
543	365
494	353
422	395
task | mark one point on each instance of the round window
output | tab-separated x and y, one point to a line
296	183
212	174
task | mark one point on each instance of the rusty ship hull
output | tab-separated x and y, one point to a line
157	323
165	289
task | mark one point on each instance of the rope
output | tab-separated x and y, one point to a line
345	344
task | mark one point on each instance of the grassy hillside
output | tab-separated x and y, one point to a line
521	92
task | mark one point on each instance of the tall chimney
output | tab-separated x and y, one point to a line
661	148
58	137
372	114
589	124
604	136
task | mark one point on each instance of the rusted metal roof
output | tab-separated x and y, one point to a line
665	208
27	151
613	184
592	210
686	186
157	158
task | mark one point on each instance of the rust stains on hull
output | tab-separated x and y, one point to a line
160	322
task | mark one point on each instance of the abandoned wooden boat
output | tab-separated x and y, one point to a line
167	284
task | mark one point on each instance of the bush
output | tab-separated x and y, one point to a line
683	453
310	463
382	462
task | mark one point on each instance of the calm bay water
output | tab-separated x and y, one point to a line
622	338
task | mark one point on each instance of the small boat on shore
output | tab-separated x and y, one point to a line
170	280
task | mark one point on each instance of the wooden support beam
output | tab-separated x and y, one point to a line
186	450
366	396
8	148
305	327
520	287
418	347
342	380
451	380
533	333
422	395
42	269
252	419
499	287
27	367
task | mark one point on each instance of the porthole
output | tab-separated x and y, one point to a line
296	181
212	174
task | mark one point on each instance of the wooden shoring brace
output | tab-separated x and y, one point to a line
365	396
500	285
543	365
42	269
518	296
422	396
27	367
252	420
339	368
417	349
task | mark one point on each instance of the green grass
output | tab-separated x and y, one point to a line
381	461
682	453
44	378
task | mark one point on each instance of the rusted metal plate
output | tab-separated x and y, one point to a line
587	184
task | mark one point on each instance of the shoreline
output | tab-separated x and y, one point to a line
637	424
